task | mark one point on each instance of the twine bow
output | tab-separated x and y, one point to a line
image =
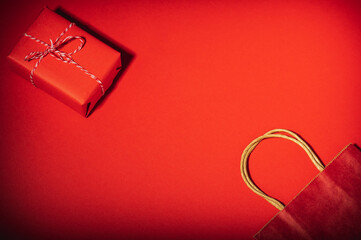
53	49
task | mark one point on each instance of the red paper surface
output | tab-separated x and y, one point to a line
159	157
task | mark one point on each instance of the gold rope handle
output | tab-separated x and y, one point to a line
276	133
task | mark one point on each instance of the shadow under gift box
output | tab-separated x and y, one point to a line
67	82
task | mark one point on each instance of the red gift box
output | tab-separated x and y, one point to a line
65	61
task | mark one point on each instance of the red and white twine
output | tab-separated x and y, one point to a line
53	49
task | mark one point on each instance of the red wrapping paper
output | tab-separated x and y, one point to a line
64	81
329	207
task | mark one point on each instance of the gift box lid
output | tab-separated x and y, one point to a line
79	83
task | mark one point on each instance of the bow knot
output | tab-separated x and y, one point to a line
54	49
51	48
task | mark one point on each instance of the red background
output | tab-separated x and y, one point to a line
159	157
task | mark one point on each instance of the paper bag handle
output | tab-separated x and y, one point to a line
276	133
